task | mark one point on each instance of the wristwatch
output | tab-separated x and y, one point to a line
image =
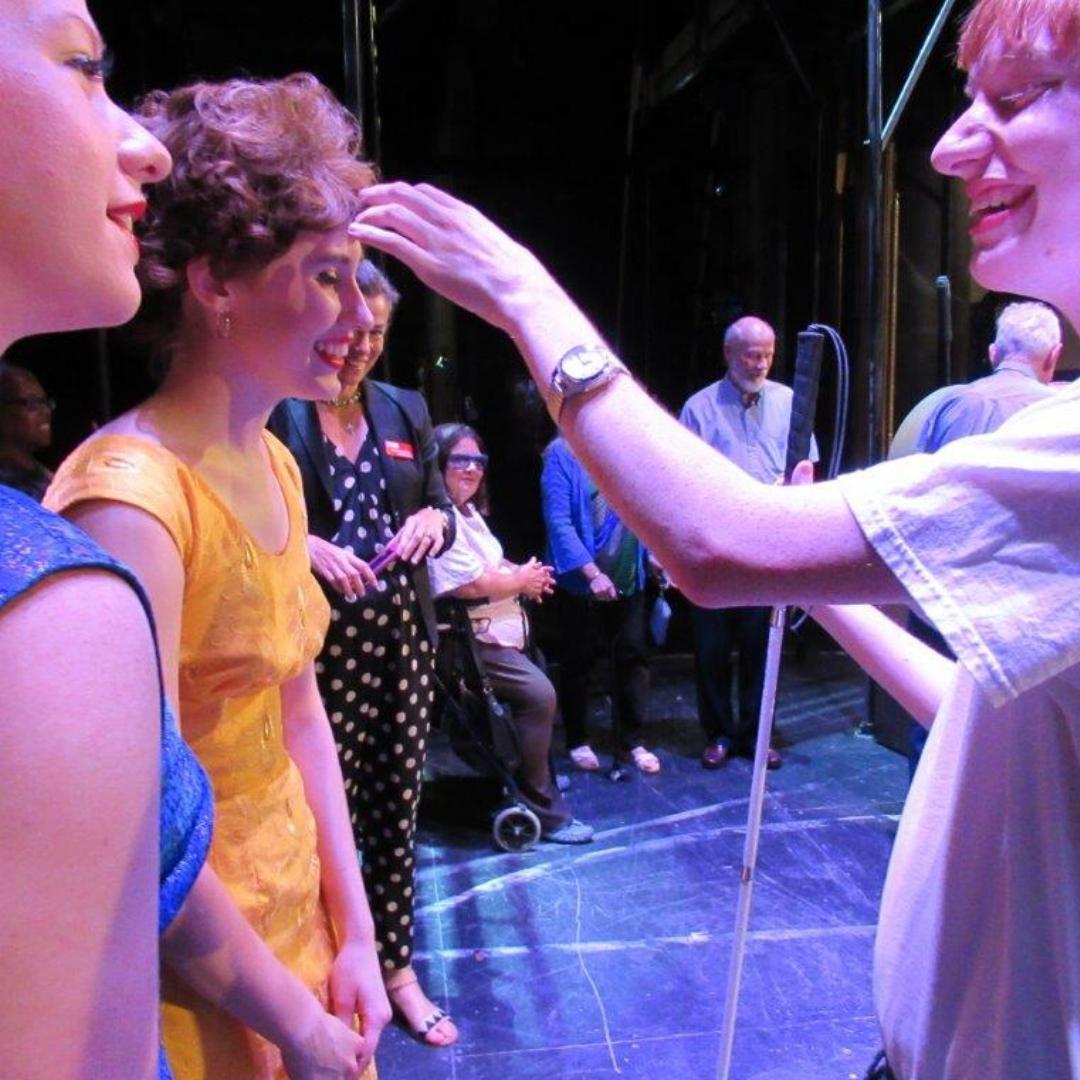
582	370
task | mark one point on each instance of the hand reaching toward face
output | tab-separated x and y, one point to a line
452	248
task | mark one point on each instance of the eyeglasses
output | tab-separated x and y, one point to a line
36	402
463	461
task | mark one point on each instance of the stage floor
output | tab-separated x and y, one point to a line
610	959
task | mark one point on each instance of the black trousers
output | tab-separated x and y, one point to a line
718	634
621	626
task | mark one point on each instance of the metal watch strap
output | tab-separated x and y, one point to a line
556	396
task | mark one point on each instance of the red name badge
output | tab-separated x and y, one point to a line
399	450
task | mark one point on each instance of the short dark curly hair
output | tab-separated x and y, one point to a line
255	163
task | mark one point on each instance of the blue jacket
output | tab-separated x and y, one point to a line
571	543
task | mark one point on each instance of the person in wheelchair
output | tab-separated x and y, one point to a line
474	569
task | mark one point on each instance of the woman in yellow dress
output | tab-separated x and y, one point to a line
249	276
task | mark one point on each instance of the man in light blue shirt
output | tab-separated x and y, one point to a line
744	415
1027	346
1024	355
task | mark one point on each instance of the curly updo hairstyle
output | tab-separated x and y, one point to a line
255	163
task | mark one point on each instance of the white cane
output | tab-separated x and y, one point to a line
753	832
803	407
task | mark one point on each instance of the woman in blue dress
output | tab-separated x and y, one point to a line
107	816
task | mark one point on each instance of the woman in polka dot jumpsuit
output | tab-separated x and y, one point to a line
368	462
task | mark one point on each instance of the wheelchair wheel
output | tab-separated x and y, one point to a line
515	828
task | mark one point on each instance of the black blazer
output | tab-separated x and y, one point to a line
394	415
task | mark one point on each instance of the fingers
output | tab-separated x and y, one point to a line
368	578
803	473
398	218
343	1004
423	199
353	577
420	536
443	198
402	249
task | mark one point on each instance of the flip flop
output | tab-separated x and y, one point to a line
645	760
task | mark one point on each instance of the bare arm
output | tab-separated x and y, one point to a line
724	539
532	579
213	949
905	668
356	985
490	585
79	770
233	973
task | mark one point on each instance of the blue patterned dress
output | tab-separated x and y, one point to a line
35	544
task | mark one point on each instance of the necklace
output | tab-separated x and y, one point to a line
348	426
341	402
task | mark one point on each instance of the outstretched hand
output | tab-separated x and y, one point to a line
452	248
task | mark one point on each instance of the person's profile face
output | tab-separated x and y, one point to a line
1017	150
293	321
367	345
70	175
750	358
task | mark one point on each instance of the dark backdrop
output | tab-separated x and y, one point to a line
676	164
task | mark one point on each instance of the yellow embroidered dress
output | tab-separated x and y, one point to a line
251	620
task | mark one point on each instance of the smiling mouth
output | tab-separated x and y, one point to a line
125	216
993	208
333	353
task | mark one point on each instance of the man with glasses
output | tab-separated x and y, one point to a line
25	430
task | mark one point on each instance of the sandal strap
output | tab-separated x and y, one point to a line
433	1021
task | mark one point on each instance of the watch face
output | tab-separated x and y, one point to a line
584	365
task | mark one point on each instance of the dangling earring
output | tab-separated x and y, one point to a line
224	324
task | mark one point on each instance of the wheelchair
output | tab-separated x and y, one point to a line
478	726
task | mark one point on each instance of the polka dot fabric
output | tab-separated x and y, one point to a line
376	678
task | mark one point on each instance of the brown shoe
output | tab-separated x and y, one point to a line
773	760
714	756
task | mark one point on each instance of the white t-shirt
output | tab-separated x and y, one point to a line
977	960
474	550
